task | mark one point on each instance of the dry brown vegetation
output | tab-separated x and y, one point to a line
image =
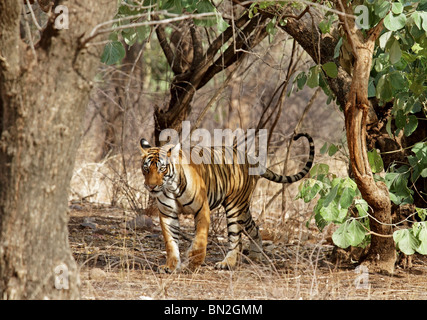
107	192
120	263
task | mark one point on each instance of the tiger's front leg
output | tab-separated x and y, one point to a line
169	223
197	251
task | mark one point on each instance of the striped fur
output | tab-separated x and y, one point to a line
197	189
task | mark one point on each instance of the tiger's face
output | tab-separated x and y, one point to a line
155	167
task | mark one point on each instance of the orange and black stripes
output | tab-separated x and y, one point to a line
197	188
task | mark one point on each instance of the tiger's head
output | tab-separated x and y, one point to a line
156	166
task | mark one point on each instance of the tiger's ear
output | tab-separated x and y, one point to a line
173	152
144	146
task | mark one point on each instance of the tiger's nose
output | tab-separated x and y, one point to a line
150	187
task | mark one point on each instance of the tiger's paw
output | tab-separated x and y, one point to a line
227	264
165	269
222	266
196	258
169	267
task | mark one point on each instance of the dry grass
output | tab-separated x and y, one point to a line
299	262
120	264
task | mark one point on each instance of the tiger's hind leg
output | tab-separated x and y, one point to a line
239	221
252	231
234	229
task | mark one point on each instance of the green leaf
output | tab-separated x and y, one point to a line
406	241
420	231
319	169
113	53
349	234
400	119
337	49
310	188
324	148
384	38
271	27
301	80
388	128
397	183
313	77
416	17
424	25
395	52
371	88
221	24
320	222
398	80
332	150
362	207
331	69
394	23
384	89
331	196
129	36
333	213
375	161
381	8
397	8
356	232
325	25
346	199
205	6
411	125
422	213
173	6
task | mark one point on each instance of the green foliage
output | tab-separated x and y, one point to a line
339	202
113	52
375	161
398	76
398	179
400	63
412	240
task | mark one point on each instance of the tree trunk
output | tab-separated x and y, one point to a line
381	256
43	95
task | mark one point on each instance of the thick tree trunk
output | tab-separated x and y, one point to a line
42	104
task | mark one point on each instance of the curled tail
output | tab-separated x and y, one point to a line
270	175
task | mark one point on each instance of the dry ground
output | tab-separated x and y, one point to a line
120	263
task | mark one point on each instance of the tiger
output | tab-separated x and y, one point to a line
197	188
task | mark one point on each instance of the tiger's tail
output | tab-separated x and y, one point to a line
270	175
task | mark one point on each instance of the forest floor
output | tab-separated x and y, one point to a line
118	262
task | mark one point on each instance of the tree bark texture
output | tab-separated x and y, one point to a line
43	96
381	256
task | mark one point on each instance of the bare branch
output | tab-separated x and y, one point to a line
197	46
167	50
